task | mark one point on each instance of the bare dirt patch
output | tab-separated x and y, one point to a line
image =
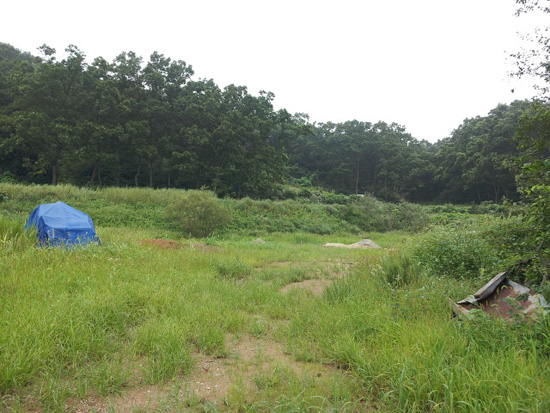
249	357
315	286
143	398
211	382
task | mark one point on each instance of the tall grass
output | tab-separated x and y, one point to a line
99	322
147	208
12	236
402	343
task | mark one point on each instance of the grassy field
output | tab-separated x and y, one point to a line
151	321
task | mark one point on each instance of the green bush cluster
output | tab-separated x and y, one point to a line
469	248
356	214
198	213
259	217
484	208
370	214
456	253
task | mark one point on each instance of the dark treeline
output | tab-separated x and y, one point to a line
474	164
129	123
135	123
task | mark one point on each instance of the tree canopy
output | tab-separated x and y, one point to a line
132	122
128	122
533	136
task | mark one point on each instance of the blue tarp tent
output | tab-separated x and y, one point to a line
61	225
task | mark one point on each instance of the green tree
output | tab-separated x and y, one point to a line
360	157
534	138
49	107
163	80
473	164
15	68
534	179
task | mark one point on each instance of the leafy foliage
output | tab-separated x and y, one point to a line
457	253
534	181
362	157
129	123
135	122
198	213
533	136
474	163
370	214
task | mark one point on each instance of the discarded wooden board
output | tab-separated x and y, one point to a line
503	298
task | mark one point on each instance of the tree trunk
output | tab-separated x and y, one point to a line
375	176
357	180
150	168
92	178
216	181
54	174
137	175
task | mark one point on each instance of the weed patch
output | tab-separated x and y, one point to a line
132	326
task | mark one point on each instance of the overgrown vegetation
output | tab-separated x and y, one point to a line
283	323
130	122
102	323
199	213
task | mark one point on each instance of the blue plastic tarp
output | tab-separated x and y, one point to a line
59	224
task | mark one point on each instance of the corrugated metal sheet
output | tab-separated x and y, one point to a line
504	298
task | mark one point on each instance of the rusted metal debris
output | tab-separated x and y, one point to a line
504	298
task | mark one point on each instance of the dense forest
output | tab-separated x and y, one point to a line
135	123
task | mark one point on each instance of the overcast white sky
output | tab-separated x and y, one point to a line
425	64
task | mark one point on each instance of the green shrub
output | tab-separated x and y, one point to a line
510	236
370	214
198	213
472	244
456	252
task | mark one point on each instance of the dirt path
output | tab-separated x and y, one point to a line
213	382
